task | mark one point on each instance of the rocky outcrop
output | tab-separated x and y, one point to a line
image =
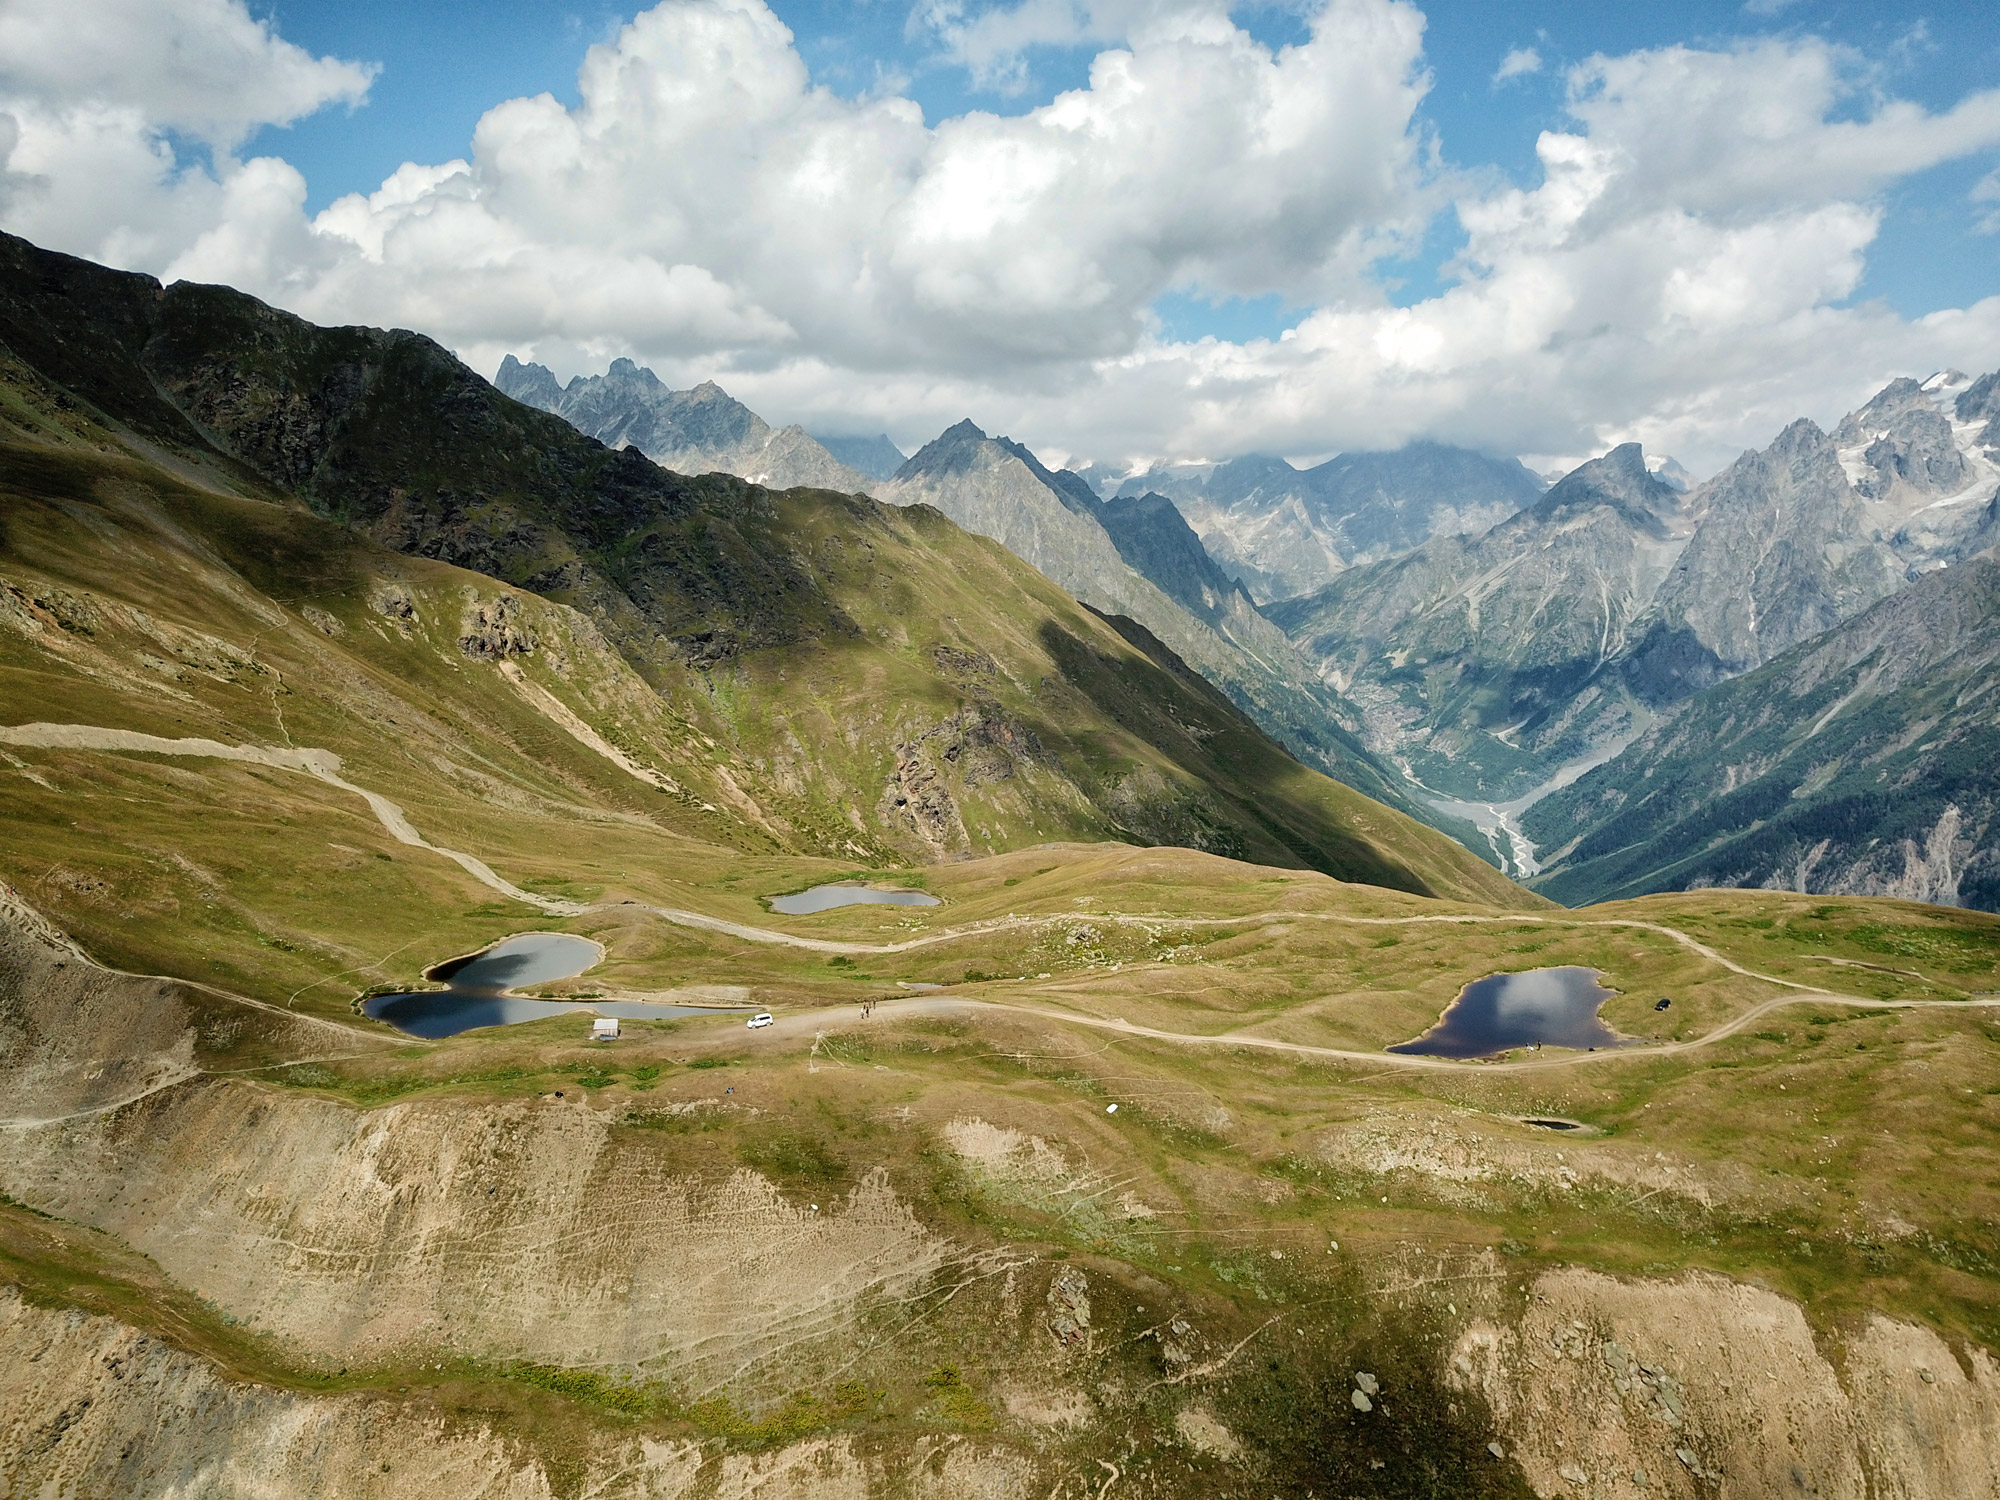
494	629
976	747
1705	1387
91	1407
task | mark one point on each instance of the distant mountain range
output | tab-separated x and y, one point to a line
1479	660
1284	531
702	431
1435	628
1487	663
1133	557
1860	763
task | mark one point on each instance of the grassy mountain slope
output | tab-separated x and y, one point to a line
919	1255
1859	763
839	677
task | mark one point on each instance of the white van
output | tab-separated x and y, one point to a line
762	1018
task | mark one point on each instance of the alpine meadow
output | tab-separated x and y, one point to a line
1094	775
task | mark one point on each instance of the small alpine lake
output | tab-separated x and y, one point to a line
477	985
1542	1007
827	897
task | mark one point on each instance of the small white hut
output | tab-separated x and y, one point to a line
604	1029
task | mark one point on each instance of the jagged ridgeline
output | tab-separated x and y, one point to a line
809	672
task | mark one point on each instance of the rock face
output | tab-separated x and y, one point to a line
1702	1387
1859	763
981	745
1490	662
1153	537
1786	549
702	431
495	629
89	1406
1285	532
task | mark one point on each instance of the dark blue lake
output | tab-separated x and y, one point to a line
827	897
1541	1008
476	993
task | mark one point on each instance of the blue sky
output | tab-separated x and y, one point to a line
445	62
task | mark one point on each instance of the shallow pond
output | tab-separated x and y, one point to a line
477	985
827	897
1543	1007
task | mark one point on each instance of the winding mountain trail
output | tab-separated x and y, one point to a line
325	766
808	1023
322	764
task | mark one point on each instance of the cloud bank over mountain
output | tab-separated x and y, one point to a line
1680	274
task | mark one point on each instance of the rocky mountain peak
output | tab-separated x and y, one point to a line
966	431
1901	450
1980	402
953	451
533	385
1620	480
698	431
1804	438
1882	410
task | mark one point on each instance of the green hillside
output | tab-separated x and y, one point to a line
841	655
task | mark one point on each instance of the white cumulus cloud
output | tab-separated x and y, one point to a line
1518	63
1681	271
707	186
89	94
